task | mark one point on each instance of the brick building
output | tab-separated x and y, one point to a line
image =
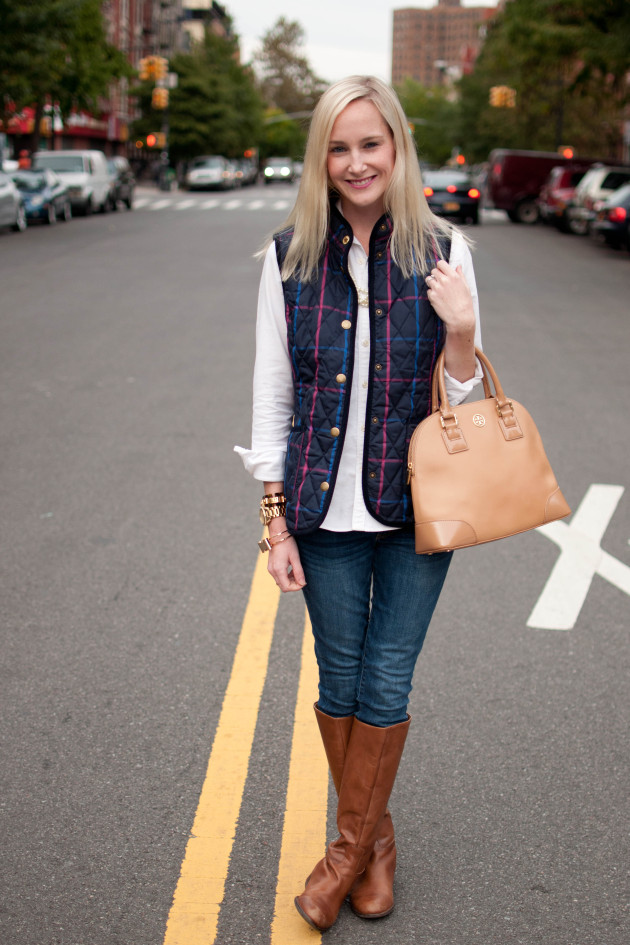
431	45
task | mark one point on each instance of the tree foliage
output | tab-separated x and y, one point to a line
568	62
55	51
215	108
434	118
286	80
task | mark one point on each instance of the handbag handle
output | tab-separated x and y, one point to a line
439	401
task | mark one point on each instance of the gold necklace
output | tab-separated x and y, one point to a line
362	296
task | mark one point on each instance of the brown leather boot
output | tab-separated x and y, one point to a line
372	760
372	895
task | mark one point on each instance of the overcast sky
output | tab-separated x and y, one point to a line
343	37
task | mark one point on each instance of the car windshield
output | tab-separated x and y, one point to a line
29	182
615	179
279	162
62	163
442	179
208	162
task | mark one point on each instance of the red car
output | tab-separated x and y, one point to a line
557	191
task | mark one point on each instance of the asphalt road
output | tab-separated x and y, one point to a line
129	536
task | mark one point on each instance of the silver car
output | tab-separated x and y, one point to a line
210	173
12	212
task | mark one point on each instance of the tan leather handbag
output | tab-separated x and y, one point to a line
478	472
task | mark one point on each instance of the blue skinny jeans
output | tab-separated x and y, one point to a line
370	599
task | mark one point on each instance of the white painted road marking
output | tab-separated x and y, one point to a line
581	558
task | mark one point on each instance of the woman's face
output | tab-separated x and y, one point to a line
361	158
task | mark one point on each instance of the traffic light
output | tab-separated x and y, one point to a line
502	96
160	67
159	98
152	140
144	70
566	151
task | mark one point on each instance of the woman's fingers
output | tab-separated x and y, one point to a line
285	566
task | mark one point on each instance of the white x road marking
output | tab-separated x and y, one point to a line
582	558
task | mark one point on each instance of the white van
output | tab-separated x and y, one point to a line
86	174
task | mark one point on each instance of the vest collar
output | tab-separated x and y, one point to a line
341	234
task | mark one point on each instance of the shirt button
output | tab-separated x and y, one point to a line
365	342
346	324
365	384
362	428
345	240
341	378
335	431
324	487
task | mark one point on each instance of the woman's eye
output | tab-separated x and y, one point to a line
337	149
372	144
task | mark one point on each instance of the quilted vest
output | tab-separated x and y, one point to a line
406	337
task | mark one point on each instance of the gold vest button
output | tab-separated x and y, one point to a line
335	431
341	378
374	419
378	311
379	367
372	475
346	324
324	487
345	240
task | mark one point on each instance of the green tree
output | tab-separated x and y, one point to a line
434	118
567	61
282	135
55	51
286	80
215	108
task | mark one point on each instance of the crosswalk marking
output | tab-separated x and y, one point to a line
209	204
160	204
184	204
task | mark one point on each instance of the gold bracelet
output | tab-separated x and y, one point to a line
265	544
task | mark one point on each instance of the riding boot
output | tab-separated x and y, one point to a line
372	895
372	760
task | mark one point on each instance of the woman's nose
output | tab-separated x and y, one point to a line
357	162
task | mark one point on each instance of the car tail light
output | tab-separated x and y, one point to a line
428	191
452	189
617	214
474	193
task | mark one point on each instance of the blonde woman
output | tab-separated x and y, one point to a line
360	291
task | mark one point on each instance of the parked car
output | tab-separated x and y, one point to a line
596	186
122	182
557	193
86	174
612	220
12	210
452	193
279	169
210	172
45	196
515	179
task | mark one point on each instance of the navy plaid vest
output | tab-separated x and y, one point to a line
406	337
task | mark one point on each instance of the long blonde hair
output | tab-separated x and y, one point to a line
414	225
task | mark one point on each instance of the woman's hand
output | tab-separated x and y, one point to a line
284	565
451	298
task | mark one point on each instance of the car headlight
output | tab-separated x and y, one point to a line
285	171
269	172
37	201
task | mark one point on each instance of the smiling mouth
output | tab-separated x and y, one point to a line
360	184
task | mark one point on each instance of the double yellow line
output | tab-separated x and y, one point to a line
194	915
